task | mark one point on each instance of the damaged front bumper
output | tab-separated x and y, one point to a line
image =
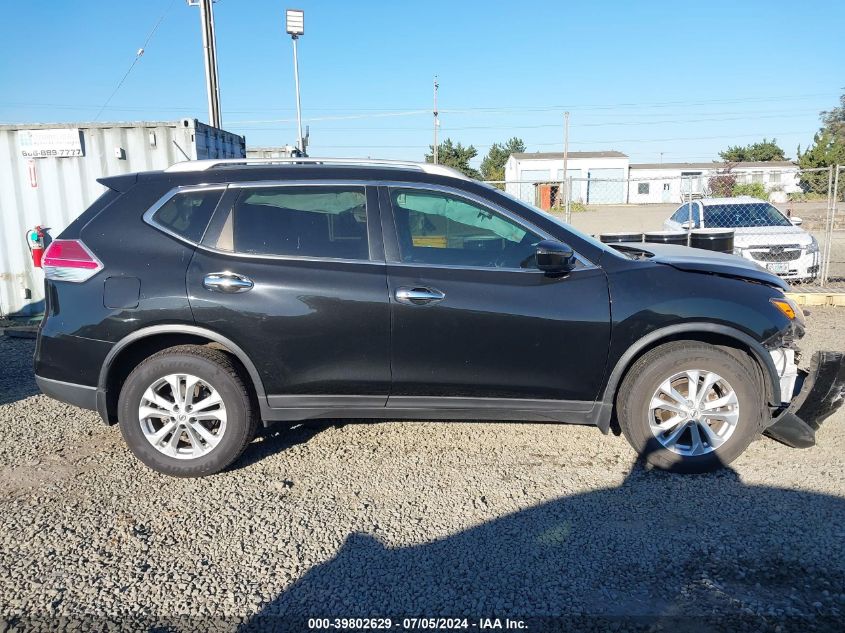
820	392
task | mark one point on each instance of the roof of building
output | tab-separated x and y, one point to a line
713	165
556	155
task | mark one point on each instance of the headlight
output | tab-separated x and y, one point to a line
813	246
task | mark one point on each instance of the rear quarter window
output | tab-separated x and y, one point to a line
187	213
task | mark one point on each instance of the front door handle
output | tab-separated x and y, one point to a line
419	296
226	282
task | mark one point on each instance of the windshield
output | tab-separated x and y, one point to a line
743	214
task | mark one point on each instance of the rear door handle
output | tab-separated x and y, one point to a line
419	296
227	282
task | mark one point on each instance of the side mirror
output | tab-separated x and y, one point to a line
796	221
687	225
555	257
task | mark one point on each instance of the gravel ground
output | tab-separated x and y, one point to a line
413	519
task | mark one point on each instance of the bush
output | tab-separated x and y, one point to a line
809	196
574	206
753	189
721	185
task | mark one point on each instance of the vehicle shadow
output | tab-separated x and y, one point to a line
659	552
17	380
277	438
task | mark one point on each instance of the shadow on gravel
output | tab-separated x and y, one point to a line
660	552
17	377
278	438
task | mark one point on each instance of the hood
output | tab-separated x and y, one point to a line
771	235
700	261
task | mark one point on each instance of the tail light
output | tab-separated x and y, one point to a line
70	260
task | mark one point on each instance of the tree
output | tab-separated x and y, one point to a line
764	151
828	149
493	164
456	156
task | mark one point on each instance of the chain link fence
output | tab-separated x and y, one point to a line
786	220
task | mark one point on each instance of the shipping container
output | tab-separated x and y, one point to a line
48	176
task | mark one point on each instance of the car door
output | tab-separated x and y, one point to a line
474	322
294	274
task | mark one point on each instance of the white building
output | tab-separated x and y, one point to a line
607	177
670	182
597	177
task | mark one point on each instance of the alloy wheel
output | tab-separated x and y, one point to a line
182	416
693	412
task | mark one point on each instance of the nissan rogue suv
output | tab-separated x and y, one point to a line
191	304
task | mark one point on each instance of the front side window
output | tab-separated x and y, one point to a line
306	221
187	213
443	229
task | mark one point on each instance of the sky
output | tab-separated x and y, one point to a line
671	81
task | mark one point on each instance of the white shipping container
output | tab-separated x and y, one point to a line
48	176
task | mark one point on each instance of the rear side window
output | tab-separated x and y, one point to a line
187	213
306	221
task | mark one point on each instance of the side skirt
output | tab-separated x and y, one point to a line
293	408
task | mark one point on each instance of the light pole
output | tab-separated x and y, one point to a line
295	26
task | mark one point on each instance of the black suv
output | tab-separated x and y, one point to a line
189	304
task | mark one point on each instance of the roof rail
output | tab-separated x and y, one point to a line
213	163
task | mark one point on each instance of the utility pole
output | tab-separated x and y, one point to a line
565	182
209	49
436	120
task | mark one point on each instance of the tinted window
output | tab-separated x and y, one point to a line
438	228
682	215
187	214
305	221
744	214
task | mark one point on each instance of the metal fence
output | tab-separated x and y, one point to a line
785	220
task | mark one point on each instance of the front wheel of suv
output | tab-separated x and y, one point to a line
186	411
690	407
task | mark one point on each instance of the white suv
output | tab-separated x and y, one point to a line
762	233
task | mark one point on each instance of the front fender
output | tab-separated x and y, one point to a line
679	331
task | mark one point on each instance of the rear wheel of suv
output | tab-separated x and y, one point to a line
690	407
186	411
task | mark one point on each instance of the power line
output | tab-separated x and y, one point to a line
592	142
489	109
138	56
751	116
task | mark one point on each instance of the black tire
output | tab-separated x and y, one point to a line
647	374
216	369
